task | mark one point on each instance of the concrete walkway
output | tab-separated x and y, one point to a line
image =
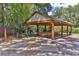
68	46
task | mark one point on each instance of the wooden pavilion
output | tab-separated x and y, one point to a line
39	19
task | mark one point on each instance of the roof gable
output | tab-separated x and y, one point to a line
36	16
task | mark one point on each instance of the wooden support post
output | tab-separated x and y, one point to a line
45	28
37	29
67	30
5	34
70	30
62	31
53	36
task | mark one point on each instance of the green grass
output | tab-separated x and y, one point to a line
75	30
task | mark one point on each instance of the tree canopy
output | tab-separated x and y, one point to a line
14	14
69	13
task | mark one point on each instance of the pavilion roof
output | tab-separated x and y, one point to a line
39	18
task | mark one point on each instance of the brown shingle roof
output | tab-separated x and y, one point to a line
37	17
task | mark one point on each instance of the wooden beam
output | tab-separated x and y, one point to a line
62	31
53	36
